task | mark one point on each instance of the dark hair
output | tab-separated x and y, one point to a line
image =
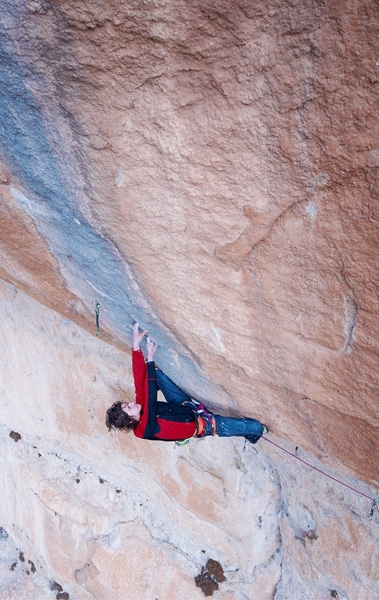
118	419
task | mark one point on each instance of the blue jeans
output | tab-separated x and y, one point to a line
251	429
225	426
170	390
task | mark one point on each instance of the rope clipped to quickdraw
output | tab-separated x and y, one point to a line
375	501
97	316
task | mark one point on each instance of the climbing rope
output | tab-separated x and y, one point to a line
375	501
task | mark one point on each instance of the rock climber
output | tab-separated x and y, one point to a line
177	419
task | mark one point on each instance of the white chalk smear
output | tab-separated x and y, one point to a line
312	210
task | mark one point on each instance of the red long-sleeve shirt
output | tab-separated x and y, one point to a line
151	425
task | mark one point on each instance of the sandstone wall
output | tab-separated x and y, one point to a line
95	515
211	170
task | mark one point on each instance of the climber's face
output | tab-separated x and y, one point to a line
132	409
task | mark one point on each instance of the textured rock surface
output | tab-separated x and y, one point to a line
113	517
210	169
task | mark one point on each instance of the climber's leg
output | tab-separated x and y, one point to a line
251	429
170	390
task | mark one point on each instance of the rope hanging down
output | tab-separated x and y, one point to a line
375	501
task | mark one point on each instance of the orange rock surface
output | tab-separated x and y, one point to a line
209	169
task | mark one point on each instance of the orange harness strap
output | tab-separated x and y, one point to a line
201	426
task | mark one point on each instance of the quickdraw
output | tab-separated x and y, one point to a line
97	316
375	503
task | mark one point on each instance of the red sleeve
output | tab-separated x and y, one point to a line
139	374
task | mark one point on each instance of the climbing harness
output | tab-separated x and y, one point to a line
97	316
205	421
206	424
375	501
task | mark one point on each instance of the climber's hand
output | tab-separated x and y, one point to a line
137	337
151	348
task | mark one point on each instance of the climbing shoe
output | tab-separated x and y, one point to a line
252	438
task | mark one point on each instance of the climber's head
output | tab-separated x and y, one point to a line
123	415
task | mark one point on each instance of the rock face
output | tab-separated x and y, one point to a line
211	170
95	515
